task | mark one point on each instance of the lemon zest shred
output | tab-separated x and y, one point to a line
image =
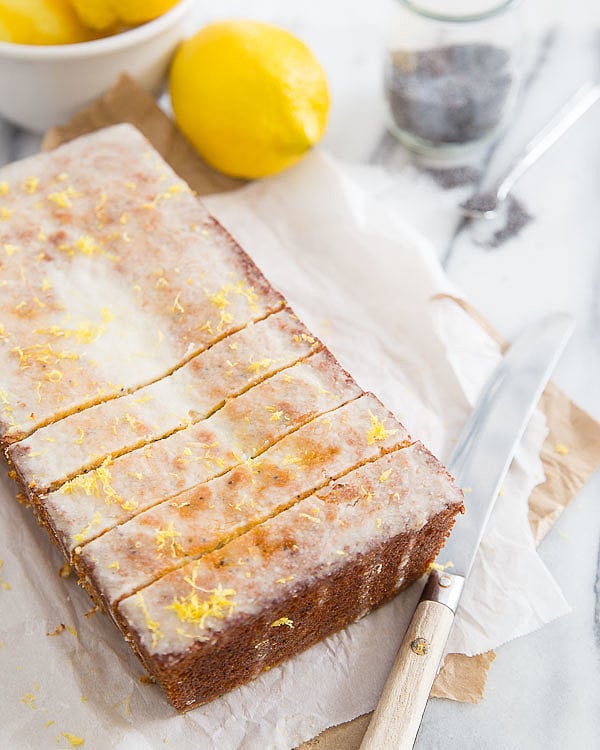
54	376
87	245
85	531
168	536
73	739
5	584
177	306
195	610
439	567
283	621
29	700
62	198
91	482
30	185
377	431
265	363
152	625
43	353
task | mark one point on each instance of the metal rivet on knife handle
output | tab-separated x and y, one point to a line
420	646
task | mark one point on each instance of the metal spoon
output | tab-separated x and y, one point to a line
485	205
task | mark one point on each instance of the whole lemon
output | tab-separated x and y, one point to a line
40	22
104	15
250	96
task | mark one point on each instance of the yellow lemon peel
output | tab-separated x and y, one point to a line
250	96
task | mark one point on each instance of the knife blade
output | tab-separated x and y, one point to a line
479	462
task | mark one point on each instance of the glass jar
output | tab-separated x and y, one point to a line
452	75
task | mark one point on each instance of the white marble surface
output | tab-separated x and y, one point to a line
544	690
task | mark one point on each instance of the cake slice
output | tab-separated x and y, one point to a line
113	274
220	621
197	521
94	502
81	441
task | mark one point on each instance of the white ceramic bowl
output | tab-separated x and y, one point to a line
42	86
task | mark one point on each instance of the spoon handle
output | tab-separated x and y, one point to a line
568	114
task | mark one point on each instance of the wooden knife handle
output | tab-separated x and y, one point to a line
398	715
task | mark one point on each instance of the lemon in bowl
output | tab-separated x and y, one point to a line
41	22
250	96
105	15
45	83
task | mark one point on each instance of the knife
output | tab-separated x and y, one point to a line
479	462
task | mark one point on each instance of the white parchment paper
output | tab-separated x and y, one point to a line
365	283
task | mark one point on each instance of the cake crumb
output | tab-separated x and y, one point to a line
22	498
147	679
57	630
65	571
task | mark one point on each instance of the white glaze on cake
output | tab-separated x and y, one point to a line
195	522
63	449
112	273
258	571
96	501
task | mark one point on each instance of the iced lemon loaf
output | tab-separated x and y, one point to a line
225	490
